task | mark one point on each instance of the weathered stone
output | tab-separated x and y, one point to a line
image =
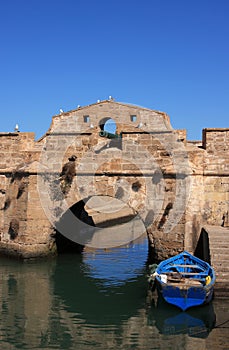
176	186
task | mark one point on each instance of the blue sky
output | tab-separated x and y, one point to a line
168	55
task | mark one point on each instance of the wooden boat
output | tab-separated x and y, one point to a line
184	280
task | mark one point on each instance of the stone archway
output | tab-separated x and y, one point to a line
108	124
97	222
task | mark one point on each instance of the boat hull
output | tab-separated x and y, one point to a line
185	281
185	298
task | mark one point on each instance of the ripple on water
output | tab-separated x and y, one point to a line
115	267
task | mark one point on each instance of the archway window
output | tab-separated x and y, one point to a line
108	124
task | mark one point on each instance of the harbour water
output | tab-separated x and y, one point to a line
99	300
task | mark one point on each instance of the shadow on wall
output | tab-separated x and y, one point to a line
202	249
165	215
69	231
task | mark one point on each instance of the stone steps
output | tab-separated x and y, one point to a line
218	258
222	253
218	240
221	289
221	270
219	249
221	245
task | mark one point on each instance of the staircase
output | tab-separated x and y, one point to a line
219	256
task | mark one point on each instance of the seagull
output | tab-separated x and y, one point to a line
61	111
16	128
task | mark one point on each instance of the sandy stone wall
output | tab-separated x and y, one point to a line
209	197
216	176
173	185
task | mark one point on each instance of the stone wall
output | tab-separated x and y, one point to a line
209	197
216	176
172	185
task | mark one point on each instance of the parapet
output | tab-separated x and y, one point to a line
216	140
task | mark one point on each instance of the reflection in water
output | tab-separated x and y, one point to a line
196	322
98	301
103	287
117	266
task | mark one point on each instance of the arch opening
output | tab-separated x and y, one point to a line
63	243
108	124
97	222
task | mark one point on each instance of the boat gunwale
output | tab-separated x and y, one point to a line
207	269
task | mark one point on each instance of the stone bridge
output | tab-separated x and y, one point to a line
106	174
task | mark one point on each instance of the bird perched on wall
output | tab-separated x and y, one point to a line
16	129
61	111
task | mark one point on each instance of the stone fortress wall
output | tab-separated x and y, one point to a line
172	185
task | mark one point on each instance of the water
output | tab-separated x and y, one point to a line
98	301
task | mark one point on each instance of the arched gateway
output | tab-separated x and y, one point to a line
83	183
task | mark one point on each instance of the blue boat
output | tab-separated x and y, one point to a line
184	280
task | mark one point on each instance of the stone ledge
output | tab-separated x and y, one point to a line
27	251
215	129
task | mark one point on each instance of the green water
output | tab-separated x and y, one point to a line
98	301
